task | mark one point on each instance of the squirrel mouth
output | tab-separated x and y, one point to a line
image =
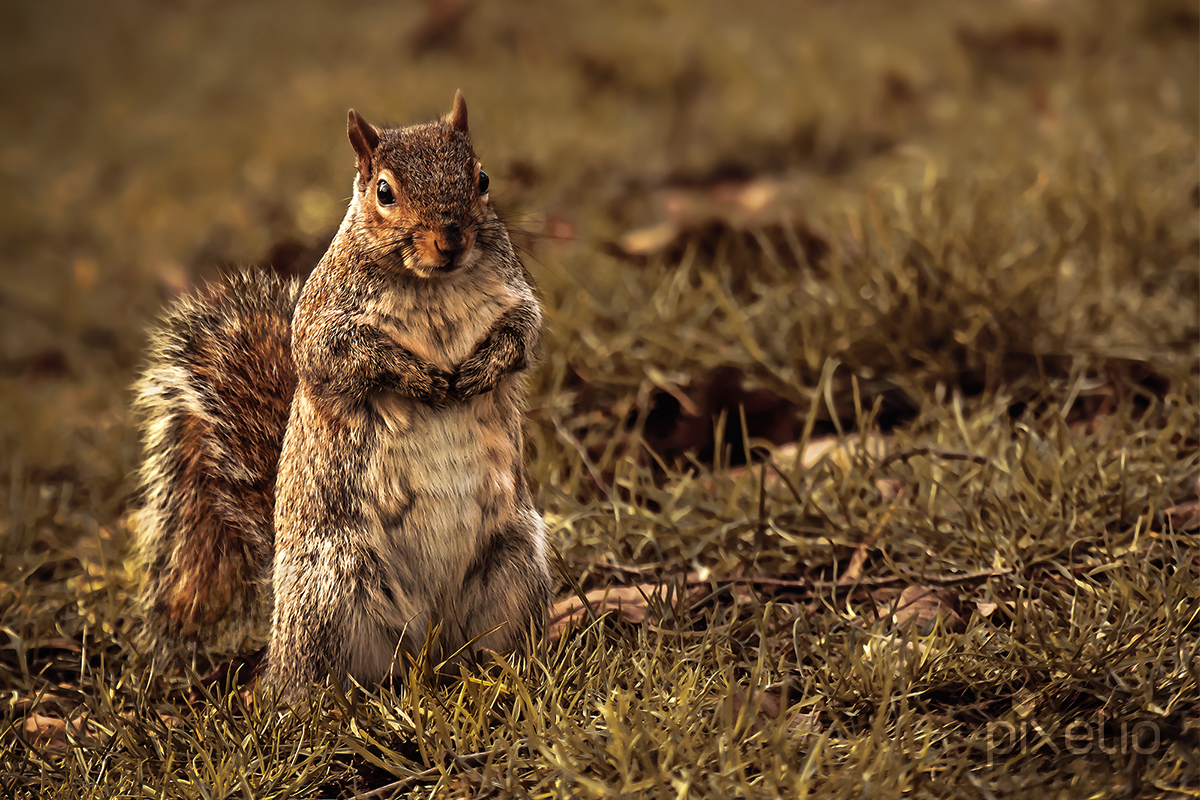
440	254
452	260
428	268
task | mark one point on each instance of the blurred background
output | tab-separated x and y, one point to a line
147	146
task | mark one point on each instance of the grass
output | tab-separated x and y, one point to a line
868	412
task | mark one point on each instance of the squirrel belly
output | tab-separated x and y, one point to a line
214	401
346	458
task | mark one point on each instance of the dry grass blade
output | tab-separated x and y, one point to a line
853	572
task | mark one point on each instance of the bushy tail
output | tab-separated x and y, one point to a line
214	402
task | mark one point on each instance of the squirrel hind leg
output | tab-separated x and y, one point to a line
324	624
214	401
505	592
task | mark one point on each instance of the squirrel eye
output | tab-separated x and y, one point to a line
384	193
483	182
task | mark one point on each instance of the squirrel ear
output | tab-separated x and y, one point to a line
458	115
364	138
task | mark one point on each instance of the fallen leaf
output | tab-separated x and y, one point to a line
770	703
630	603
922	605
748	223
51	732
838	450
649	240
807	723
889	487
766	703
1185	516
46	731
854	569
985	609
843	451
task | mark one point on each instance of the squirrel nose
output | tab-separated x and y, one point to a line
450	241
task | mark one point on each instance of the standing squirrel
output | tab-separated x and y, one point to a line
346	458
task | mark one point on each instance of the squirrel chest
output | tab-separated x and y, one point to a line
440	322
440	478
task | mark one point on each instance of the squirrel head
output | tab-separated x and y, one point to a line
421	196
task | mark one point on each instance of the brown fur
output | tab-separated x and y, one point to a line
214	399
401	503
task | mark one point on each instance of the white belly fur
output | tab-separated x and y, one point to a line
428	478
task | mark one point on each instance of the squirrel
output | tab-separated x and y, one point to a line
345	459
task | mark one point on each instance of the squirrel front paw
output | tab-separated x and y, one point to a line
422	382
467	382
437	388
